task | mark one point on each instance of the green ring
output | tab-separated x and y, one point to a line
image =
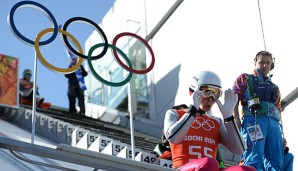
116	84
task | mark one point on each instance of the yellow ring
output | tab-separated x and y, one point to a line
50	66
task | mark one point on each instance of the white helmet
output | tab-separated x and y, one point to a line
203	78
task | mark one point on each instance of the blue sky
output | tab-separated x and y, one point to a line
29	22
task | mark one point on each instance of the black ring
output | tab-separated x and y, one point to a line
71	49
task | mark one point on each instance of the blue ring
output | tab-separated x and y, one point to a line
40	8
92	23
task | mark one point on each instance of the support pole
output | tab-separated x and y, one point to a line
131	121
34	98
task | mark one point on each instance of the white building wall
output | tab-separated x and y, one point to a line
222	36
136	16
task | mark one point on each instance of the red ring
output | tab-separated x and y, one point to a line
126	67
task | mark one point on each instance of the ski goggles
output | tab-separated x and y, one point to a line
211	91
27	74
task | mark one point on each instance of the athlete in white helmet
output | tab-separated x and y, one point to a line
194	136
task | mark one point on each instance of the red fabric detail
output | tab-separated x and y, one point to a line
202	164
166	155
44	105
26	102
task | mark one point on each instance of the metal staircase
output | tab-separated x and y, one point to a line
81	139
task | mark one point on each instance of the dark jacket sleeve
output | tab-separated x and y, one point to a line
68	75
84	73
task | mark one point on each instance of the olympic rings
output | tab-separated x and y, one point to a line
39	7
56	30
48	65
101	79
69	47
200	122
144	42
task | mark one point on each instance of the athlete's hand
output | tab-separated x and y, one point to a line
227	108
196	97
